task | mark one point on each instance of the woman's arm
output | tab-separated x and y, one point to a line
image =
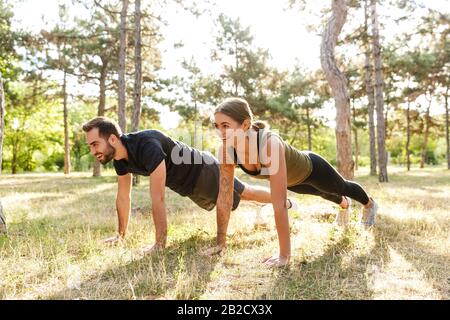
278	193
224	203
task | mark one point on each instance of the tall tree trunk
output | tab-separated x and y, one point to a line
66	128
379	101
122	61
2	120
137	68
408	136
370	94
195	123
15	151
236	83
386	125
338	84
101	107
3	228
137	74
447	138
423	157
294	136
355	133
308	122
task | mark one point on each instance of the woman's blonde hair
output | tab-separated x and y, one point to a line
239	110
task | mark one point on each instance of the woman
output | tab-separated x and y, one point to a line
264	155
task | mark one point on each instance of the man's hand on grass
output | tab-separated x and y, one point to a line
219	249
150	249
276	261
113	241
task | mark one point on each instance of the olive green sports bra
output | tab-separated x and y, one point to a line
298	163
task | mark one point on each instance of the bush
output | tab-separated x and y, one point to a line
55	162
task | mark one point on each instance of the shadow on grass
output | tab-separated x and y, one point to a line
407	237
179	272
23	183
328	277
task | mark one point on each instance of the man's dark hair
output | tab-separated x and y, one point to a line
106	127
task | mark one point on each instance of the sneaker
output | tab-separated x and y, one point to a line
343	215
294	206
368	215
265	213
2	221
262	216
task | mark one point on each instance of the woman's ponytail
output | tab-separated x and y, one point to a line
260	125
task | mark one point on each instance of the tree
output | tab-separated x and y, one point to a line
121	69
8	40
137	108
442	49
61	37
137	68
447	136
379	100
431	87
357	90
337	82
57	40
2	120
245	76
3	229
410	95
95	57
98	57
193	87
8	70
370	94
300	95
34	125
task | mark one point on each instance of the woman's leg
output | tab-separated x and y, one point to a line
309	189
328	181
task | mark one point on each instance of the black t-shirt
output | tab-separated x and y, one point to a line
146	149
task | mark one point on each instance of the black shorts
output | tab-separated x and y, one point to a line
206	188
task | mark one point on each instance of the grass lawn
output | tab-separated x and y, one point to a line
56	224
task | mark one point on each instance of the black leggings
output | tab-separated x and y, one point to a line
326	182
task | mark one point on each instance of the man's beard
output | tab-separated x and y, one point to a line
108	155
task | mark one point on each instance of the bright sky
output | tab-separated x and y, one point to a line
281	31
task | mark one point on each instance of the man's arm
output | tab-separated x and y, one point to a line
123	202
157	193
123	206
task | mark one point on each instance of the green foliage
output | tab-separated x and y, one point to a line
32	126
415	65
8	55
55	162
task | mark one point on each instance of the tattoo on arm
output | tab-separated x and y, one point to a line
224	201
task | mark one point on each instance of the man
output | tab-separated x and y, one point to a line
167	162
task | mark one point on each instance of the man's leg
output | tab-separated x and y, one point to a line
255	193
